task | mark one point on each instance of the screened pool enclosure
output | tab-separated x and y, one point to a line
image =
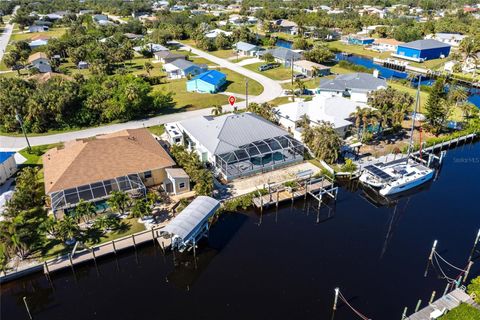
97	191
259	156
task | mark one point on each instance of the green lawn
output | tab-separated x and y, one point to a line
224	54
186	101
200	60
412	92
359	50
309	84
339	70
280	73
462	312
53	33
280	100
157	130
34	157
237	83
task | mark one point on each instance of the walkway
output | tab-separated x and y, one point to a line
271	91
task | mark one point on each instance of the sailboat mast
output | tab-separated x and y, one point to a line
414	115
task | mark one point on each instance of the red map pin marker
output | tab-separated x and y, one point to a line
232	100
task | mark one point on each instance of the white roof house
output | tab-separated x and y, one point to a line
452	39
336	110
212	34
237	144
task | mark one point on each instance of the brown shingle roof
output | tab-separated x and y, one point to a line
104	157
36	56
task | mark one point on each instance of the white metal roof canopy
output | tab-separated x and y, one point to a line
191	219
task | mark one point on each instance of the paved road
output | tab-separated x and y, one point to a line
6	34
271	91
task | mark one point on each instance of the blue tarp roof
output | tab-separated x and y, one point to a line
4	155
213	77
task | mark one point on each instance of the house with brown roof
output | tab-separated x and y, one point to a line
311	69
40	61
386	44
90	169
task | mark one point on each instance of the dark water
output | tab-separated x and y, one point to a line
282	265
474	94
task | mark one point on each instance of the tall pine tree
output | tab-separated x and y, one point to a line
437	108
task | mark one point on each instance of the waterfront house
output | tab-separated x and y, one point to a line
238	145
386	44
210	81
167	56
246	49
453	39
90	169
286	26
40	61
356	86
311	69
421	50
182	68
283	55
335	110
356	39
8	166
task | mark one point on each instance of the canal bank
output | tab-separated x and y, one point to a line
281	264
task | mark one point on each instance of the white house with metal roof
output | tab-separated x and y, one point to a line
246	49
335	110
452	39
237	145
355	86
181	68
283	55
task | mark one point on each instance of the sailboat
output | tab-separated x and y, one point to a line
400	175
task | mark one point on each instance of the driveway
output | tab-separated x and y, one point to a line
271	90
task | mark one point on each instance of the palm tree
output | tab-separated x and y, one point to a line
458	95
141	208
217	110
325	142
300	85
67	229
148	66
118	201
469	48
303	122
84	210
360	116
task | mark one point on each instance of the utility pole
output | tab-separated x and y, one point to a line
19	119
246	92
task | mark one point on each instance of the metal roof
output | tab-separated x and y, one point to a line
192	217
424	44
244	46
284	54
5	155
231	131
353	81
211	76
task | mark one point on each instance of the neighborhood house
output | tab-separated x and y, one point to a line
40	61
238	145
208	82
246	49
182	68
90	169
311	69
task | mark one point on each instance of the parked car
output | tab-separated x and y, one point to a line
299	76
268	66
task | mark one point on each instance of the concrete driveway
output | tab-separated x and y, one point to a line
271	91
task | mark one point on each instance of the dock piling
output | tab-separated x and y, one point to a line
432	297
446	289
418	305
337	290
26	307
114	248
404	314
134	244
468	270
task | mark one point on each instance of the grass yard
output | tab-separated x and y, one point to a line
187	101
200	60
280	73
52	33
462	312
309	84
157	130
280	100
356	49
224	54
412	92
35	156
237	83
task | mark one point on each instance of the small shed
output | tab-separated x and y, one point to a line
8	166
177	181
186	229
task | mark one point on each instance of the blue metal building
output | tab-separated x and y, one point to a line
421	50
210	81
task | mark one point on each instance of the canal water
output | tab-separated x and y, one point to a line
388	73
283	264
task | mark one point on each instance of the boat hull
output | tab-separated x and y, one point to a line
390	190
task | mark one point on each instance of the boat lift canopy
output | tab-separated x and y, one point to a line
191	224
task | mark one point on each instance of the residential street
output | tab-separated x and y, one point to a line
6	34
272	90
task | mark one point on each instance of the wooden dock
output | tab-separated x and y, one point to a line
279	193
107	248
444	304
